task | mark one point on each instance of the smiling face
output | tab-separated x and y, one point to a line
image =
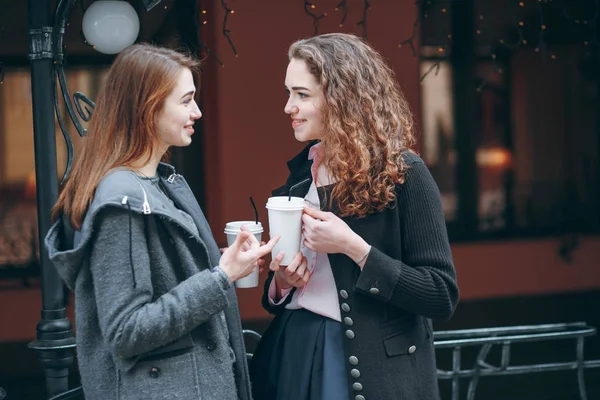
305	103
175	122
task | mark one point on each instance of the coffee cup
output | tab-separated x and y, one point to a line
285	220
232	229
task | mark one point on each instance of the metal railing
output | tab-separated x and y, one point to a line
457	340
505	337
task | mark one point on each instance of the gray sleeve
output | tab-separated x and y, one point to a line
131	320
424	281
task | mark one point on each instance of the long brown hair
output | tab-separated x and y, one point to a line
367	121
122	129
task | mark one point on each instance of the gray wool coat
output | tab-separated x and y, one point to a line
155	319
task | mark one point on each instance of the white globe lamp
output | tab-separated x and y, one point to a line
110	26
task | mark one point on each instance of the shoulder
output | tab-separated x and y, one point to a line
117	185
417	180
411	157
123	189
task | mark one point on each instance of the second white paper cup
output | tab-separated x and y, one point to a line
231	231
285	220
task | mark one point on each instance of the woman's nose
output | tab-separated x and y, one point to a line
290	108
196	113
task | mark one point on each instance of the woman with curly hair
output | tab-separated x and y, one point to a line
353	310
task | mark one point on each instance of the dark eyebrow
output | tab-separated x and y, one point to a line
296	88
188	93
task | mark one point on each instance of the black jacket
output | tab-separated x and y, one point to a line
408	278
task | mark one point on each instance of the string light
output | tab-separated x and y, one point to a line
227	31
514	42
308	6
518	41
541	35
201	44
342	5
493	68
363	21
410	40
590	23
435	67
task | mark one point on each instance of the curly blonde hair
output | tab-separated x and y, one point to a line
367	121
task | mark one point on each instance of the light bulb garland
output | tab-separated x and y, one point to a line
344	7
363	21
541	34
225	30
308	9
515	41
410	40
200	15
441	49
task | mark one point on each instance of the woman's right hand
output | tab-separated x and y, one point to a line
294	275
239	259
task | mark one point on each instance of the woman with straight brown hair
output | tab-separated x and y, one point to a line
155	307
353	311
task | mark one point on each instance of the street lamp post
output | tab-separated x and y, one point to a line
54	341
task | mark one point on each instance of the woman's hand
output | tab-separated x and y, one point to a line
325	232
244	255
294	275
246	246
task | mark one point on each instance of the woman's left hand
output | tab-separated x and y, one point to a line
325	232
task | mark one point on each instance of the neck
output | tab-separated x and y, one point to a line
149	169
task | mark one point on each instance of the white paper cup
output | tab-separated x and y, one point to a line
232	229
285	220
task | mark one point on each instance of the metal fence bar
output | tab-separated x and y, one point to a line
536	337
518	370
508	330
505	360
479	362
580	368
456	368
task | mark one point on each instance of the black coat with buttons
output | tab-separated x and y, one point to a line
407	280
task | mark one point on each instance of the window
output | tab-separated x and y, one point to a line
536	143
18	211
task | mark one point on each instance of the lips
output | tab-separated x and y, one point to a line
297	122
189	128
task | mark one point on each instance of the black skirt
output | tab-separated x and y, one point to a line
300	357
